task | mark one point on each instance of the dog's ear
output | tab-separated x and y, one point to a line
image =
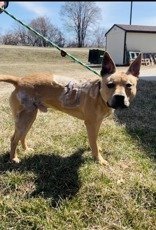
108	66
134	68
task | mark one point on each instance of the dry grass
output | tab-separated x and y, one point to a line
58	186
23	60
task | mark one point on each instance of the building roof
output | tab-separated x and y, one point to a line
135	28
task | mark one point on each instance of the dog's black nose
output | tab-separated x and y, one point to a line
118	102
119	98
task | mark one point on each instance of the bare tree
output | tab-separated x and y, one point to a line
1	39
10	38
48	30
22	36
99	37
79	17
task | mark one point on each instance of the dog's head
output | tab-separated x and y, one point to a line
119	88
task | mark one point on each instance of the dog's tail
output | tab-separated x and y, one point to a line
10	79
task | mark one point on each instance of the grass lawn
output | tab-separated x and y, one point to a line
58	186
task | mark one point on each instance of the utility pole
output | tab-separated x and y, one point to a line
131	13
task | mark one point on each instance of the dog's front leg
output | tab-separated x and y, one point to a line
93	130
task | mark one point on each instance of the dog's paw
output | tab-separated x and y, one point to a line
29	149
15	160
102	161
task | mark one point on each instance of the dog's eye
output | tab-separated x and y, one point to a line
110	85
128	85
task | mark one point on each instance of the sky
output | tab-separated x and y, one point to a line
144	13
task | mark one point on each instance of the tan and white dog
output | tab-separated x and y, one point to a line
90	101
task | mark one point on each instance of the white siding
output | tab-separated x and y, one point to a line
115	44
145	42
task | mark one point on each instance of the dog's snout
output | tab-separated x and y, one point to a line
118	101
119	97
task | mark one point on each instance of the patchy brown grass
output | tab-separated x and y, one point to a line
58	186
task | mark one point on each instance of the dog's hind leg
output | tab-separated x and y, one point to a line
22	139
23	123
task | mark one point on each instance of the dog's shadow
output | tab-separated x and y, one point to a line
57	177
140	118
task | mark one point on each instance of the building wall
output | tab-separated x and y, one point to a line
115	44
144	42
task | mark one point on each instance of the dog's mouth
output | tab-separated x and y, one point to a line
122	107
117	106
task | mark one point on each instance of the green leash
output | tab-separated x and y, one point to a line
63	53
